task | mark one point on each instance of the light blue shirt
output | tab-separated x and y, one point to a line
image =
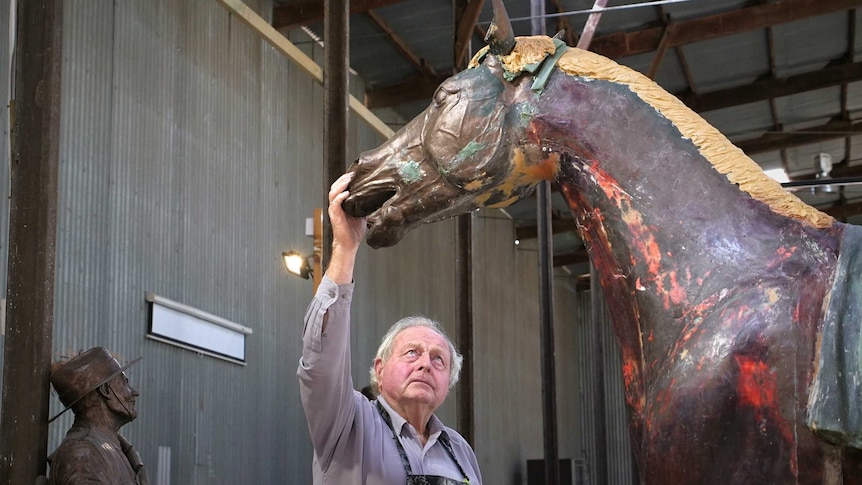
352	443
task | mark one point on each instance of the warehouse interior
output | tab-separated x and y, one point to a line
190	147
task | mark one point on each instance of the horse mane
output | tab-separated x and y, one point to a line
724	156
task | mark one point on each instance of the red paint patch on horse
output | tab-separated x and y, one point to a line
757	388
629	373
672	292
756	384
785	253
645	246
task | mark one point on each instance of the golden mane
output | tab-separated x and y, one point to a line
725	157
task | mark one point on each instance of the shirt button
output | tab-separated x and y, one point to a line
344	295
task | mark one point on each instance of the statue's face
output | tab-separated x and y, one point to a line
123	397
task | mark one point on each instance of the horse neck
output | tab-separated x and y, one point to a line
665	230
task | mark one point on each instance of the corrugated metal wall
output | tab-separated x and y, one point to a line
508	378
183	134
191	156
619	466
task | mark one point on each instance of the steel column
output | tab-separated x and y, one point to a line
464	280
546	301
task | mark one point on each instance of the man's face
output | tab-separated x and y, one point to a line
124	396
417	372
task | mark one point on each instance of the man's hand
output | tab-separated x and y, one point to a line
347	233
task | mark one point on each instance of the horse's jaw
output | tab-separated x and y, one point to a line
398	197
394	206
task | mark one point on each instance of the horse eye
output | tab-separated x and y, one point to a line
442	94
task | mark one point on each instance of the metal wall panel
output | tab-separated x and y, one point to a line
619	460
507	350
191	156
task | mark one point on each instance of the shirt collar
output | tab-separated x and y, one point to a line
435	426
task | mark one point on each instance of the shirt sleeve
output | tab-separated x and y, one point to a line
325	383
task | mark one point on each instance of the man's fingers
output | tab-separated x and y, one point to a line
339	185
340	198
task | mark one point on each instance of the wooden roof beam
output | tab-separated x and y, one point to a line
401	46
563	24
306	12
646	40
416	88
622	44
834	74
558	225
836	128
248	16
842	211
578	256
465	24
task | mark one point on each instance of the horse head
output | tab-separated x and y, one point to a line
468	149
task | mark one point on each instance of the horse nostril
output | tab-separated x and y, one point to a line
361	206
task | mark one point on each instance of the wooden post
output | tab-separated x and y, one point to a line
32	239
317	250
336	28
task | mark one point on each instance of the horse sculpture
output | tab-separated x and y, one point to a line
729	297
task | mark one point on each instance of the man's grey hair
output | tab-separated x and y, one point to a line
385	349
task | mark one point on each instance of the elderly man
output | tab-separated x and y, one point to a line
95	387
395	439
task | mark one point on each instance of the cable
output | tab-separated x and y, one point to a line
606	9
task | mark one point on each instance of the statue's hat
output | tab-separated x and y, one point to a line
75	378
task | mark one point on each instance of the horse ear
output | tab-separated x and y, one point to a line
500	38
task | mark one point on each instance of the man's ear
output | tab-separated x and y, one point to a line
105	390
378	368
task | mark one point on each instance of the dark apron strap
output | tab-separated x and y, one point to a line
404	461
444	440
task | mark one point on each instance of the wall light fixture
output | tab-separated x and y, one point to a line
297	264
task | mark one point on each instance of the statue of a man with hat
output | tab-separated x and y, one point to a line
94	386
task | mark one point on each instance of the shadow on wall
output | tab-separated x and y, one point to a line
518	477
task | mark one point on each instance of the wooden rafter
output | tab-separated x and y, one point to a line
836	128
559	225
578	256
563	24
285	47
466	24
842	211
834	74
622	44
661	50
417	62
306	12
403	92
